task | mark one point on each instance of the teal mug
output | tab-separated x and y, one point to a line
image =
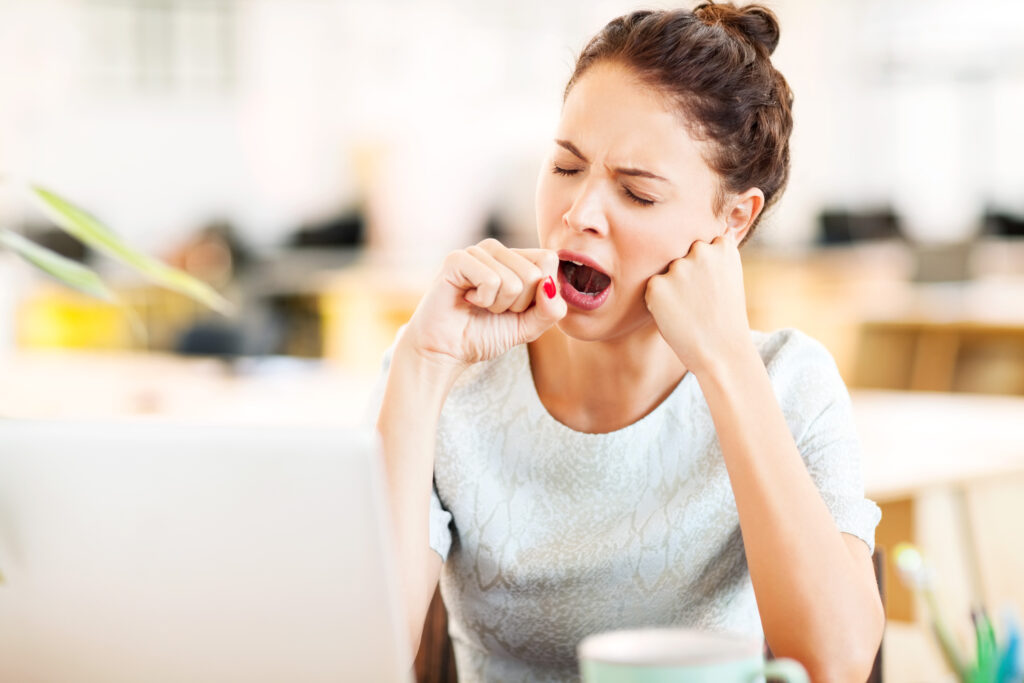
678	655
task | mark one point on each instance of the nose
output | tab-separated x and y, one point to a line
587	211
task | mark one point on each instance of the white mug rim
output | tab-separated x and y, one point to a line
620	647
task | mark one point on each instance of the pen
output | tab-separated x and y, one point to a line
917	575
1010	669
985	638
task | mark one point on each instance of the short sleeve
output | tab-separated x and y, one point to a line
440	518
818	408
831	450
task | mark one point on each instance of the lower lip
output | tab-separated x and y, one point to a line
579	299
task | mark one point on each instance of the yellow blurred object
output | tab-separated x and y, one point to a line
362	309
56	317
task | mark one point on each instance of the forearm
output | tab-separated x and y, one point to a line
814	603
415	392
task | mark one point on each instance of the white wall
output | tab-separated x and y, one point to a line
437	111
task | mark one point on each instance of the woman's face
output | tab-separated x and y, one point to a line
626	186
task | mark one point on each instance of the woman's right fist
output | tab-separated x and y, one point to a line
486	299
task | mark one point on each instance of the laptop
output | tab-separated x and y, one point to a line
148	551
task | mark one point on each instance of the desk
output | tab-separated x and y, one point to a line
144	386
927	458
948	472
946	337
913	441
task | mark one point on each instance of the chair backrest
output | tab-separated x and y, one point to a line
435	661
879	561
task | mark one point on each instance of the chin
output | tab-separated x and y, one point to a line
582	330
582	327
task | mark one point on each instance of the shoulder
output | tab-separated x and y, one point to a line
802	371
788	351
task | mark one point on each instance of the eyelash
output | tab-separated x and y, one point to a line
633	197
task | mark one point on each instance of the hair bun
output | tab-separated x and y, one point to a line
756	23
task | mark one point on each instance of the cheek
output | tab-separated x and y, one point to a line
546	204
676	238
669	240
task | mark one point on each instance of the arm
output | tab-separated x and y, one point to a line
486	299
413	397
814	586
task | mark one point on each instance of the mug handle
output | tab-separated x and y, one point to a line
788	669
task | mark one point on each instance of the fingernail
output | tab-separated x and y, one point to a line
549	287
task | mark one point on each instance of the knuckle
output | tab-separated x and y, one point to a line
490	243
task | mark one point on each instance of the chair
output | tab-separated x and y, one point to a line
435	661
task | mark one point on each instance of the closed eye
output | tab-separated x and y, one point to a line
639	200
572	171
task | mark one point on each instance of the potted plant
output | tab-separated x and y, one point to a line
91	232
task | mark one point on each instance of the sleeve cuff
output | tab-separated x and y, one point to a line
858	517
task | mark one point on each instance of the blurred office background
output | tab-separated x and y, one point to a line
315	160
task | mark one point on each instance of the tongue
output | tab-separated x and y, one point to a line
586	279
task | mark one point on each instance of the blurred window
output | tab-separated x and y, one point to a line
160	46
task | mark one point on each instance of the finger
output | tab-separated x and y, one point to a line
545	312
724	239
511	286
478	283
545	259
526	270
695	246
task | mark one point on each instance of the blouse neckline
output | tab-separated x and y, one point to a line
534	398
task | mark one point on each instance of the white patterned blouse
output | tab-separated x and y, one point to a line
549	534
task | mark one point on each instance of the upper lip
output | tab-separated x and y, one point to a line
566	255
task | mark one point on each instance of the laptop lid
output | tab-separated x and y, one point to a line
162	552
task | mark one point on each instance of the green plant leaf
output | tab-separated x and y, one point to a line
92	232
69	272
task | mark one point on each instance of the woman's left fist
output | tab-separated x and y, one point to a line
699	305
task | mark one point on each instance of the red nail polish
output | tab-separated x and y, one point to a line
549	287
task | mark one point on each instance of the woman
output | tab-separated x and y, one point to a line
610	444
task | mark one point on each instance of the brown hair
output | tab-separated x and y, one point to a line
714	64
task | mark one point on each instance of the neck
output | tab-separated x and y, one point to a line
611	383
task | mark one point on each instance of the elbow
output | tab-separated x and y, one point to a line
415	639
848	670
843	657
850	662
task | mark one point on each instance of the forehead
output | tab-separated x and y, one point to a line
615	118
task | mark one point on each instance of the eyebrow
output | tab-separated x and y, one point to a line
637	172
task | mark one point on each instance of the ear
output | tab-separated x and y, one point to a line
742	211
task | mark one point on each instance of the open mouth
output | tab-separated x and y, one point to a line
584	279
